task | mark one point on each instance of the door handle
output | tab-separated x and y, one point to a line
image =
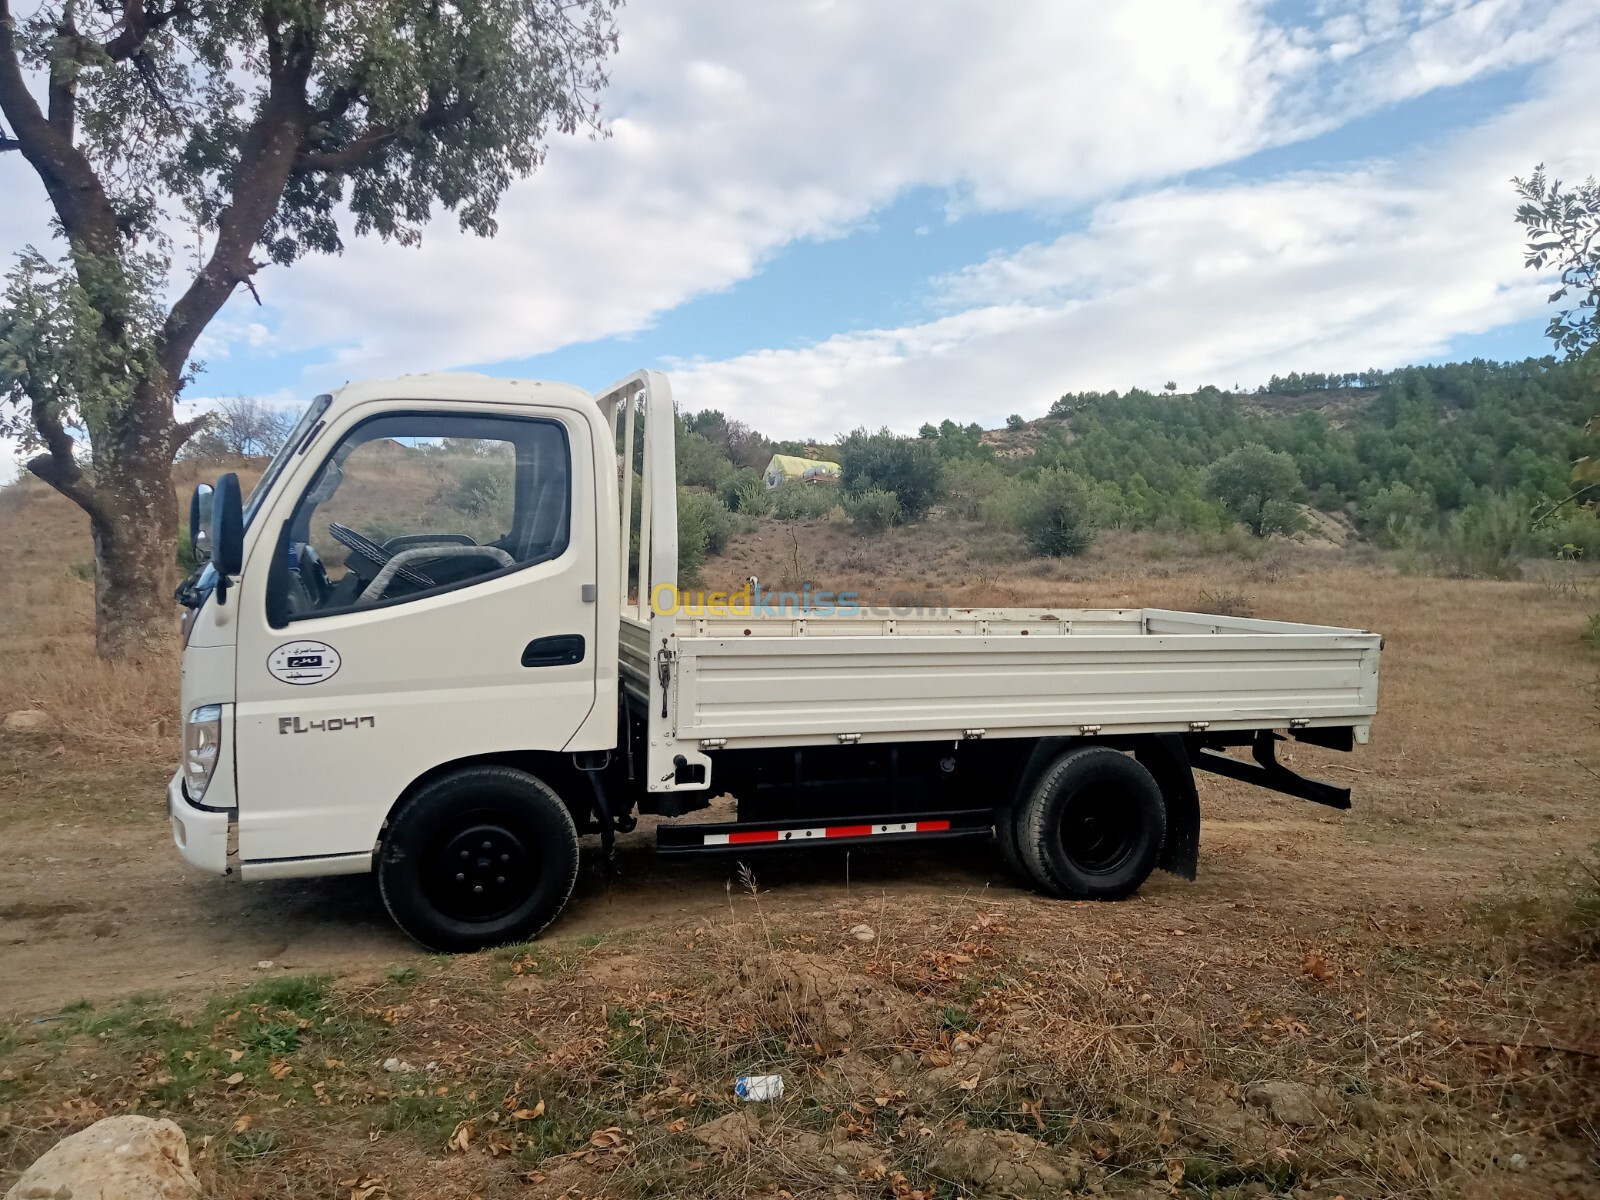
557	650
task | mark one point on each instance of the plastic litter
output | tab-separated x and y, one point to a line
758	1087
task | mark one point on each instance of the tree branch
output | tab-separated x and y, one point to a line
138	25
75	191
59	468
349	156
266	159
182	431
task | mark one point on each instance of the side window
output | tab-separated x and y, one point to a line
412	504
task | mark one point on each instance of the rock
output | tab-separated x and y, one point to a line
26	718
1293	1103
730	1134
119	1158
398	1066
264	965
864	933
993	1161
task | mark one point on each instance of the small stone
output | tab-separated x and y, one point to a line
864	933
1517	1162
264	965
398	1066
25	718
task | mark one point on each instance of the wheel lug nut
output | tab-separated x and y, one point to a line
505	858
478	889
463	854
499	878
461	878
486	845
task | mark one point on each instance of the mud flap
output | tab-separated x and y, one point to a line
1165	758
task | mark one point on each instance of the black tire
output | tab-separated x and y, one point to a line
480	856
1092	826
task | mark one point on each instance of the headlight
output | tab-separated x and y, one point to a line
202	746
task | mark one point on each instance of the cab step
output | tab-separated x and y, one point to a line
692	838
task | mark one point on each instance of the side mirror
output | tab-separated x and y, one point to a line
199	520
227	532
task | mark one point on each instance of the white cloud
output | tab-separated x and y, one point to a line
1374	266
740	128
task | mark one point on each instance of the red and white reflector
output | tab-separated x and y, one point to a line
819	833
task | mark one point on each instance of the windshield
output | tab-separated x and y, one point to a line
306	423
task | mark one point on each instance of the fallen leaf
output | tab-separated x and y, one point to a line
244	1122
530	1114
1316	966
235	1079
461	1138
235	1055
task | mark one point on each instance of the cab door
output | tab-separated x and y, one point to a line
422	592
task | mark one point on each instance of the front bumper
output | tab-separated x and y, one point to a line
201	834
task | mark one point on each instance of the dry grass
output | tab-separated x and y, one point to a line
1440	1013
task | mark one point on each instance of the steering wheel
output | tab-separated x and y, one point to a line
373	555
313	575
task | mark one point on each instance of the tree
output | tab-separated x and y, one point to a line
1015	421
1054	515
911	468
1257	487
243	426
1564	232
247	126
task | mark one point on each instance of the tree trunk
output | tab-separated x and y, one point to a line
133	515
135	564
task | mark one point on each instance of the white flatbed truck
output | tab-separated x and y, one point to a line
452	708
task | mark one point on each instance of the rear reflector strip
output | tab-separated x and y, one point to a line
821	832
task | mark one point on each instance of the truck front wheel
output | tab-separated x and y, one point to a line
480	856
1092	826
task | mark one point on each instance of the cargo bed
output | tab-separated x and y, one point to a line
800	679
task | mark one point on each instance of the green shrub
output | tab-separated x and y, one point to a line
969	483
1488	539
1397	514
481	488
911	468
874	510
801	502
704	526
754	499
1258	488
1576	535
1054	515
732	487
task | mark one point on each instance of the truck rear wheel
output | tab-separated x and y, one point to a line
1092	826
480	856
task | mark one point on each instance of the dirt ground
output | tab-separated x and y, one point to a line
1334	929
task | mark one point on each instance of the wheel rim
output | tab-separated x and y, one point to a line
483	870
1099	829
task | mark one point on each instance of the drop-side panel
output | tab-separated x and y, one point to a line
780	689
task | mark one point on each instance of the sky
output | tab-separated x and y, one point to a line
821	215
